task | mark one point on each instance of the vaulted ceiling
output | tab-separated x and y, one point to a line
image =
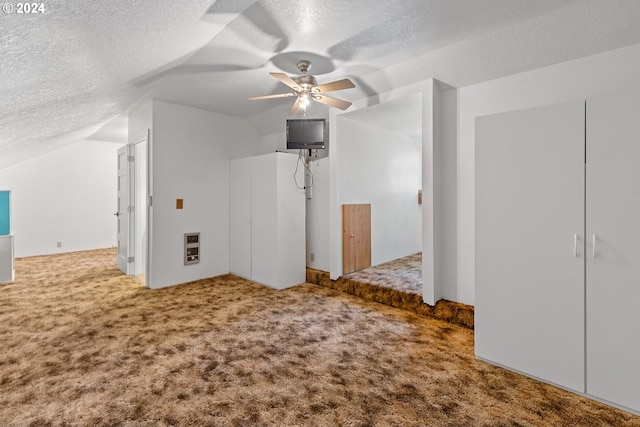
79	65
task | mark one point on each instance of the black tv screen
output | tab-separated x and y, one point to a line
305	134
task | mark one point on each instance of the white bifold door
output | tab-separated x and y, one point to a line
558	245
240	217
529	300
613	253
267	220
122	215
134	212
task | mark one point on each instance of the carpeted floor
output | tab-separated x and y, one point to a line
404	274
397	283
84	345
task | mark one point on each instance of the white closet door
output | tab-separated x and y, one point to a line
613	266
240	218
291	222
7	272
264	233
529	267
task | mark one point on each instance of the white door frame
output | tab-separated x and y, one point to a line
145	209
123	203
431	159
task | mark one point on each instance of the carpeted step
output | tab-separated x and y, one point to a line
449	311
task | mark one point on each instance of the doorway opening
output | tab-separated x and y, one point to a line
134	210
140	210
380	163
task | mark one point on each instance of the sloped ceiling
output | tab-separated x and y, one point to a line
401	115
67	72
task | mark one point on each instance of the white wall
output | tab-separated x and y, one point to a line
67	195
248	142
191	150
609	72
383	168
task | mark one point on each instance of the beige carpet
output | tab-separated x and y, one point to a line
388	286
403	274
83	345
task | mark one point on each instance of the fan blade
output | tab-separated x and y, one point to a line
286	80
295	109
278	95
332	102
337	85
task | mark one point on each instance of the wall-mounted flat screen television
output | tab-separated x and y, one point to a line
306	134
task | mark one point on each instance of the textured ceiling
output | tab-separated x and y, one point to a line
67	72
402	115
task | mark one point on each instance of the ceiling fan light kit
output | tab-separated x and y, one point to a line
305	87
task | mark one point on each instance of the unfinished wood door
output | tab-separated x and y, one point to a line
356	237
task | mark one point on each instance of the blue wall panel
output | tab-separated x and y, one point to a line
5	211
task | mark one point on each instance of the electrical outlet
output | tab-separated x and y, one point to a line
312	256
59	244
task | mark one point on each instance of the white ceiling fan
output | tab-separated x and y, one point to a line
306	89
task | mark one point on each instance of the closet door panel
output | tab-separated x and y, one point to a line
529	269
264	231
240	218
291	222
613	266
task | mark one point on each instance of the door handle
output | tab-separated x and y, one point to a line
593	253
575	245
117	214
